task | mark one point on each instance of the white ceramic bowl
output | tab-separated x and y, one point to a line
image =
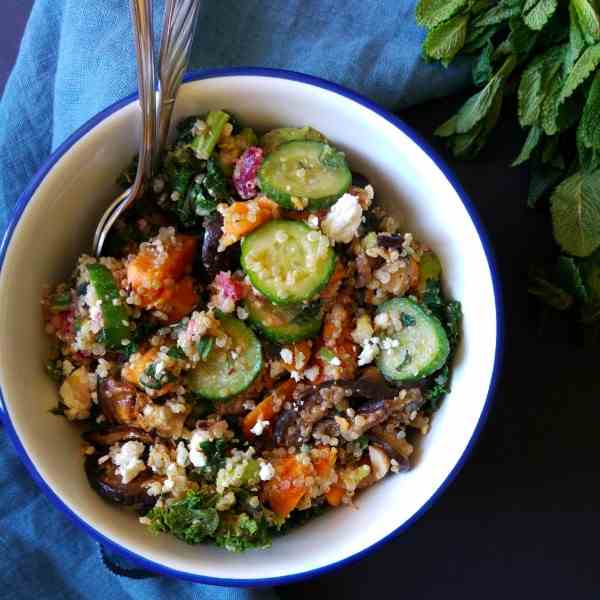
54	222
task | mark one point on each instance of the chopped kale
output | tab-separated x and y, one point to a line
239	533
54	370
192	519
176	352
439	386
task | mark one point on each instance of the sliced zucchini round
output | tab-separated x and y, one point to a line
304	174
414	344
287	261
230	370
283	324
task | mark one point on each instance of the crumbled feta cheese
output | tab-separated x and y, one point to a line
312	373
286	355
127	460
370	192
196	456
259	427
253	501
343	219
313	221
381	320
242	313
335	361
266	472
369	351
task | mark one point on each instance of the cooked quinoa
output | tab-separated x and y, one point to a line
262	342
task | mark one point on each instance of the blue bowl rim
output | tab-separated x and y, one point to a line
489	253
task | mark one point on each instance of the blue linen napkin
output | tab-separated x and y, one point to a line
75	59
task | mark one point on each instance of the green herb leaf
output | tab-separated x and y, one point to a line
570	278
482	68
577	41
531	142
407	320
445	41
587	18
204	346
536	13
176	352
585	65
239	533
437	389
327	355
431	13
576	213
477	107
500	12
549	293
590	120
543	178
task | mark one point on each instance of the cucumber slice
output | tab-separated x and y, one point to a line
283	324
304	175
287	261
271	140
417	343
222	375
116	321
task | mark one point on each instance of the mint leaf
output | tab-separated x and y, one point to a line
589	158
499	13
575	207
531	142
482	68
577	41
542	179
590	120
477	107
448	128
548	292
570	278
431	13
582	69
587	19
445	41
536	13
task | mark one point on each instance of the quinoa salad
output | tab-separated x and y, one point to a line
261	341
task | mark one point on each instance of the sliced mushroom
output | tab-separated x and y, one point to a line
371	385
117	401
397	448
380	462
108	436
107	483
214	261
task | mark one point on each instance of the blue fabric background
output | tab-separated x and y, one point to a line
76	58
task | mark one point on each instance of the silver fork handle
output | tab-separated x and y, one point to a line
141	12
177	37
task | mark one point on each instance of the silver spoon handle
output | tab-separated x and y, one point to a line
141	12
177	37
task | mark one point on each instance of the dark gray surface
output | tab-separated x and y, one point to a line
520	519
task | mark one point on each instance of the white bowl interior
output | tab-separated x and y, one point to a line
57	226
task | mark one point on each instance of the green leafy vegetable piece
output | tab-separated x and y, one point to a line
576	213
478	106
204	142
205	345
191	519
590	120
497	14
54	371
570	278
407	320
587	19
531	142
536	13
438	389
452	321
176	352
431	13
590	272
549	293
61	301
577	42
445	41
583	68
589	158
543	178
482	68
239	533
327	355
